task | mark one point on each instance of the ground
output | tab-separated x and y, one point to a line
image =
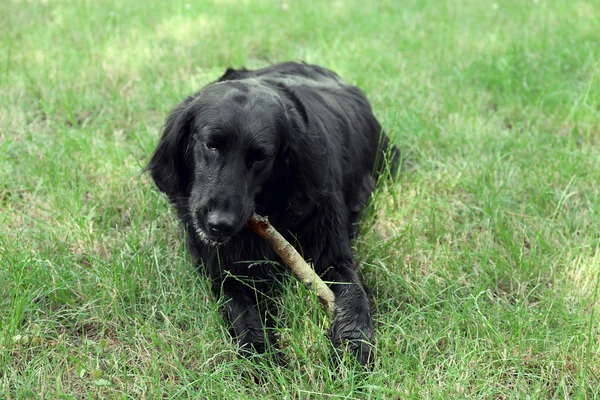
483	258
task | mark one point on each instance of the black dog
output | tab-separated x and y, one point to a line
293	142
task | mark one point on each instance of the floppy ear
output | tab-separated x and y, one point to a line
170	166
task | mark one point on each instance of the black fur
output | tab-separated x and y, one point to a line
293	142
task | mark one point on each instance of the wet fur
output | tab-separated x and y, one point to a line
327	151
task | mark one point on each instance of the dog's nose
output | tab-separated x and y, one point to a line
221	223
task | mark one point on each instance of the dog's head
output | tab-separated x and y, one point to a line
217	151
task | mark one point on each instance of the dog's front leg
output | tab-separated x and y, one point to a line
352	324
249	324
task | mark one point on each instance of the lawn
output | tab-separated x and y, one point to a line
483	258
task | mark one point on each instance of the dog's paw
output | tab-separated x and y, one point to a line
353	334
262	349
257	341
352	326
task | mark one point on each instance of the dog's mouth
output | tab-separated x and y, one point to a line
209	239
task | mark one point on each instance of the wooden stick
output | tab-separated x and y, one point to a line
293	259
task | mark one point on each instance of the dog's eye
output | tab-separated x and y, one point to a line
257	157
212	145
260	156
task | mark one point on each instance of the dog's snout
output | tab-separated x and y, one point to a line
221	223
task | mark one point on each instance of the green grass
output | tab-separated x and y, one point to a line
484	258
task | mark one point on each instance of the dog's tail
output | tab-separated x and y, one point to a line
389	159
394	159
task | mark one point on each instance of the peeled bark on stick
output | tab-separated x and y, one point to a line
261	226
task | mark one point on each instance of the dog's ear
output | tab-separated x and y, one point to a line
170	166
